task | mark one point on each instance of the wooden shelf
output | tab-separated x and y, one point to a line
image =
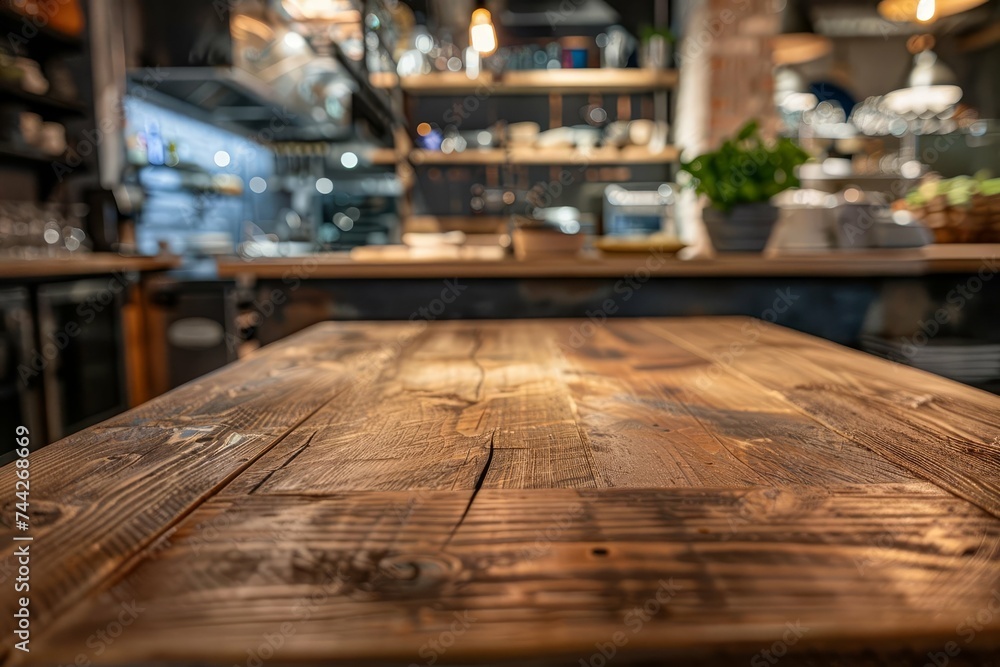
383	80
533	82
606	155
548	156
383	156
589	80
481	156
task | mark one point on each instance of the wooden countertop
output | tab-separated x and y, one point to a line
862	263
97	263
483	491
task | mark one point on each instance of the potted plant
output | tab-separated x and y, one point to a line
739	180
655	50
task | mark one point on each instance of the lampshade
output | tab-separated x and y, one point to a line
798	43
322	10
799	47
905	11
930	86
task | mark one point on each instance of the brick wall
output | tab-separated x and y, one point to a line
742	83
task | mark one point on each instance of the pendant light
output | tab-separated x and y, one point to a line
924	11
931	86
798	42
482	32
330	11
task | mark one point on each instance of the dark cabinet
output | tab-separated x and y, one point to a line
20	396
80	330
198	323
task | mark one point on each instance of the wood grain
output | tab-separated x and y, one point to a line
548	573
532	82
451	399
86	265
946	258
356	490
941	431
399	432
100	496
518	156
657	419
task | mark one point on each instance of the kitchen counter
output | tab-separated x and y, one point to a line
705	490
92	264
934	259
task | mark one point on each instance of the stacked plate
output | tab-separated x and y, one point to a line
964	360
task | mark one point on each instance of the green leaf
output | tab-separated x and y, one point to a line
749	130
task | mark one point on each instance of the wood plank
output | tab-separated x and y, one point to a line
457	397
476	156
863	263
594	156
548	156
100	496
548	573
538	443
532	82
942	431
400	431
84	265
604	81
383	156
653	423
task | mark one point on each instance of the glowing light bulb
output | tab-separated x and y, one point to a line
482	33
349	160
926	9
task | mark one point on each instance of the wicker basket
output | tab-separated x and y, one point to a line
976	223
989	208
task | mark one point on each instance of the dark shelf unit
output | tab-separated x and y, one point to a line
43	44
49	108
43	41
25	156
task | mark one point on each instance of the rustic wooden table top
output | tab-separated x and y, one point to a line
699	490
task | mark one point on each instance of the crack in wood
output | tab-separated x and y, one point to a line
475	490
283	465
